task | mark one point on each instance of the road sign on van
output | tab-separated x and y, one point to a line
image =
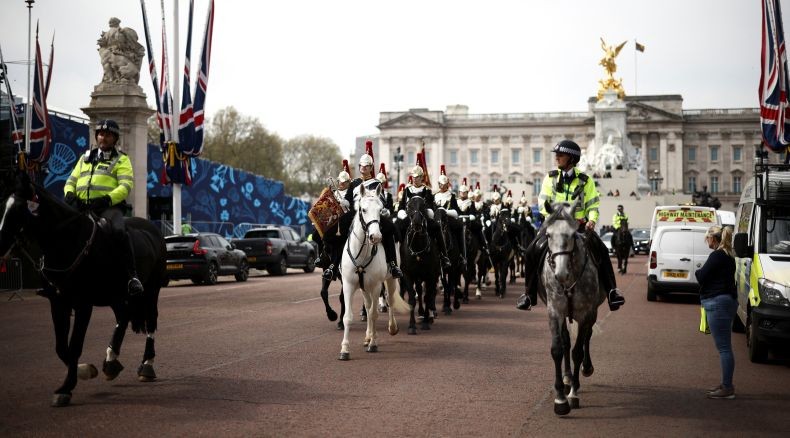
683	215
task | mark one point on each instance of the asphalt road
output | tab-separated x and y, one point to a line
260	359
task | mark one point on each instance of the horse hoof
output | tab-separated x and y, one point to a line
344	356
447	311
425	326
363	318
331	314
412	330
366	343
456	305
394	331
145	373
574	402
587	372
86	371
111	369
372	349
60	400
562	408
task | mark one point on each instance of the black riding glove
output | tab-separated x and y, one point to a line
71	199
100	203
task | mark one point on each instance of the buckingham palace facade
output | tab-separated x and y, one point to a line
685	149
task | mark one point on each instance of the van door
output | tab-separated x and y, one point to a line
675	256
701	251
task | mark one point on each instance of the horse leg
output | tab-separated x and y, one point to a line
145	372
446	290
371	340
587	365
367	303
458	295
330	313
391	296
111	366
561	406
582	339
383	299
82	316
342	298
61	321
512	266
567	378
407	286
349	288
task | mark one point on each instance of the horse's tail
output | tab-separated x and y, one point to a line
396	301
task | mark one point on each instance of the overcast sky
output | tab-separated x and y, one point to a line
328	68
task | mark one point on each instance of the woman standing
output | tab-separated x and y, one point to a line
718	297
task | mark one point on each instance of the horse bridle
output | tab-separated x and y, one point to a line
502	236
411	233
360	267
567	291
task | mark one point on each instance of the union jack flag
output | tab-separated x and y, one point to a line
152	71
774	80
202	82
40	135
186	118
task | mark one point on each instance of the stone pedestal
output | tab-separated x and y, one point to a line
610	119
126	104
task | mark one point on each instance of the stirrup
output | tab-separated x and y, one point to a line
395	271
135	287
329	273
615	299
524	303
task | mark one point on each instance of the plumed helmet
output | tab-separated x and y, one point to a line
568	147
416	171
108	125
381	177
343	176
442	180
464	187
523	200
365	160
508	199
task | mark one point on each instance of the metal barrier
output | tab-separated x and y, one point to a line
11	278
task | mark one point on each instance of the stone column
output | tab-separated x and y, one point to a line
663	161
126	104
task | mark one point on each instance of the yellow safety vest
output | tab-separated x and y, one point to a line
590	199
96	178
617	219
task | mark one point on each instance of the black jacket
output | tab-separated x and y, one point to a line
717	275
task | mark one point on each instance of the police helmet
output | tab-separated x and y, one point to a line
568	147
108	125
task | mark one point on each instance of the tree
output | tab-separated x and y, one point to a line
309	160
153	130
243	142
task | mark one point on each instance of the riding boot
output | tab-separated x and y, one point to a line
329	272
533	265
445	261
389	254
134	287
606	274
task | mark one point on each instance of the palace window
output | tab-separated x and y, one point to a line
692	184
737	153
653	154
474	158
736	184
537	182
692	153
714	184
454	157
494	156
536	154
714	153
515	157
410	158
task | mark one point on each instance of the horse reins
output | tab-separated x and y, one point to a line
411	233
568	291
360	268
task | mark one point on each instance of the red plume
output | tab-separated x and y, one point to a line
442	171
426	179
419	159
411	180
509	193
496	189
401	187
383	170
464	183
347	168
369	149
477	185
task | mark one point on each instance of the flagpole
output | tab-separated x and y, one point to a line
28	107
176	118
636	76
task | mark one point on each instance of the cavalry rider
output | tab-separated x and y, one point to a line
619	217
445	199
387	227
330	246
100	182
389	204
418	188
559	186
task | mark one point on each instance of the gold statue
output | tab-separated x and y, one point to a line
609	65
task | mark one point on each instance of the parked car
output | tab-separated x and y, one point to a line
641	238
202	257
676	252
277	248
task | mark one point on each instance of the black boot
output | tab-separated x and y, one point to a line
615	299
389	254
134	286
395	270
329	273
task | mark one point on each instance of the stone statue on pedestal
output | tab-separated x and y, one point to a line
120	53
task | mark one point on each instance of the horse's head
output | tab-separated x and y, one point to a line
501	223
16	212
560	229
416	212
369	212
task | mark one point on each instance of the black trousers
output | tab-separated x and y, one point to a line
115	217
536	255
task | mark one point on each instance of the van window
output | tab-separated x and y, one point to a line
777	231
744	217
699	244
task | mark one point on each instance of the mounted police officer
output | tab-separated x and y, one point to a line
418	188
559	186
100	182
387	227
619	217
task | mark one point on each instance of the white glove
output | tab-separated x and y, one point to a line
488	223
520	210
430	213
344	203
513	220
452	213
401	214
385	212
471	217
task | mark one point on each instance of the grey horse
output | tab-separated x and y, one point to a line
572	293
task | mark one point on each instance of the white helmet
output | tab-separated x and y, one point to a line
382	179
443	179
343	176
463	189
365	160
496	196
416	171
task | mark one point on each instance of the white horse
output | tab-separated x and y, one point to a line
364	267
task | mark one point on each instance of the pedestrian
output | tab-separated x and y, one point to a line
718	297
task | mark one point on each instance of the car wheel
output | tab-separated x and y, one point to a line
279	268
244	271
211	274
310	266
758	351
651	292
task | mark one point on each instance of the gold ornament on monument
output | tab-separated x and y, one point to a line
610	66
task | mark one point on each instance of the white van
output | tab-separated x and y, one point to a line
762	263
675	253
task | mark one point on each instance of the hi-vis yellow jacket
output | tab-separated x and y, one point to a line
96	177
617	219
556	189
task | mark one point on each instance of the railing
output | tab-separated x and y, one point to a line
722	112
519	116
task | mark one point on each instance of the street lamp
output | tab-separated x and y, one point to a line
398	160
655	181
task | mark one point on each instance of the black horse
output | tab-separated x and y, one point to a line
419	258
622	244
451	277
501	250
79	259
471	250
